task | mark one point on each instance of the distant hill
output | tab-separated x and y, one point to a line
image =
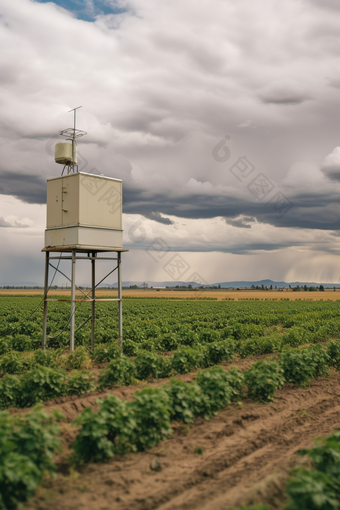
224	285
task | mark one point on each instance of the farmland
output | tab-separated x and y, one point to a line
221	436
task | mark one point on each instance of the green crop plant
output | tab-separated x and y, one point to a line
40	384
222	350
186	359
235	379
10	387
27	445
111	430
46	357
186	400
152	414
146	365
214	385
80	358
333	350
263	379
106	352
120	371
130	348
164	366
15	363
91	443
79	382
298	366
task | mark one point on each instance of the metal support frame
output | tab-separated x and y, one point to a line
73	297
120	303
93	284
47	263
92	256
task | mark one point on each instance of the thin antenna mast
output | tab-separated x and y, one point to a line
72	134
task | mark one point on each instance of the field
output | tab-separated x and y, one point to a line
217	438
218	294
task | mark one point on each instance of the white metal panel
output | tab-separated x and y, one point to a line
70	200
54	203
99	237
84	237
100	201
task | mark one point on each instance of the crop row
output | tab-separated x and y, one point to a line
42	382
27	443
147	322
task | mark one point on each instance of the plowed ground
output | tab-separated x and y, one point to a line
247	452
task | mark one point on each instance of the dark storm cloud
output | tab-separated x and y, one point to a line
28	188
161	90
284	93
326	4
157	217
331	165
243	222
314	210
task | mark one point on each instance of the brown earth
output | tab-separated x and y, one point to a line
247	452
219	294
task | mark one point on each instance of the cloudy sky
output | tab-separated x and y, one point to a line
221	117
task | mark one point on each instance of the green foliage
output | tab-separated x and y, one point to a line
120	371
5	345
261	345
130	348
235	379
92	443
294	337
80	358
121	422
312	490
46	358
112	430
263	379
152	414
320	359
326	455
164	366
186	359
15	363
10	387
214	385
220	351
22	343
79	382
41	383
187	337
186	400
106	352
146	365
298	366
169	342
333	350
209	335
27	444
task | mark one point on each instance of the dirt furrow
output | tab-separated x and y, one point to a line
247	452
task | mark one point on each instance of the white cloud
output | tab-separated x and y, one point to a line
160	87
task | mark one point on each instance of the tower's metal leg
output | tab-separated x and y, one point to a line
73	296
47	263
93	268
120	302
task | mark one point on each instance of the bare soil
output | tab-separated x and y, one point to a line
247	452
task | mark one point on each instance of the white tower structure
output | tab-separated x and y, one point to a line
84	219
